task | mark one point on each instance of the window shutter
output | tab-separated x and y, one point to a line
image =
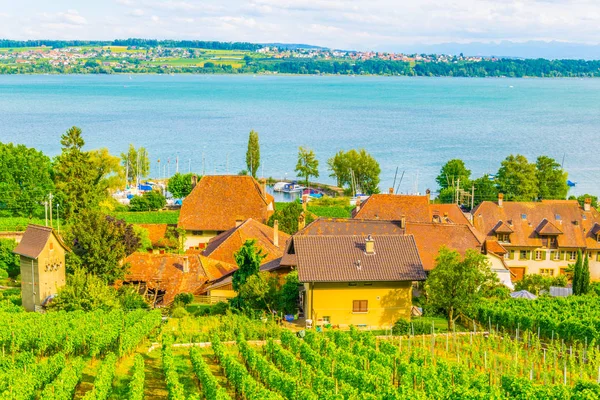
562	254
544	255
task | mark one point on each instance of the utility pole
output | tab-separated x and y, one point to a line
457	189
50	197
472	197
57	218
46	211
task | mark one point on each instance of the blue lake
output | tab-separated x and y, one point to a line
415	124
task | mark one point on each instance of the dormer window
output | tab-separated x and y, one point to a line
550	242
523	216
504	237
598	237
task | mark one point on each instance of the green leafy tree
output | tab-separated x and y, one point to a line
362	165
9	261
451	173
485	190
75	176
108	171
259	291
581	199
248	259
288	296
101	243
307	164
151	200
517	179
136	163
577	269
25	180
180	185
552	179
457	284
535	283
85	292
288	218
253	153
585	275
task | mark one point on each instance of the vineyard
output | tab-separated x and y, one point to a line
135	355
573	318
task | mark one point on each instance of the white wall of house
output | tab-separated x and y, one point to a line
198	238
549	262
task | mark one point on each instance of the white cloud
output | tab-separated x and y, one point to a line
138	12
155	18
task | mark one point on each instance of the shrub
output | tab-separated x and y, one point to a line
179	312
3	274
149	201
184	298
220	308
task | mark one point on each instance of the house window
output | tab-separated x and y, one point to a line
555	255
504	238
598	238
550	242
352	284
538	255
367	284
327	319
507	255
360	306
524	255
572	255
547	271
523	216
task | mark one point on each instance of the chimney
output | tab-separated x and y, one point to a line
369	245
428	194
500	199
194	181
301	221
304	201
403	223
357	209
186	264
276	233
238	221
587	204
391	190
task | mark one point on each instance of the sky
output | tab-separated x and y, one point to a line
383	25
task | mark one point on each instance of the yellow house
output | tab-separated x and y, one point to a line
356	280
42	256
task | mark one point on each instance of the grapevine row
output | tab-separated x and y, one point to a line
103	381
63	387
136	385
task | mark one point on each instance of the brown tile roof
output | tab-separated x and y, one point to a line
166	272
431	237
502	227
428	236
223	246
34	239
493	246
394	207
219	200
359	227
524	218
342	258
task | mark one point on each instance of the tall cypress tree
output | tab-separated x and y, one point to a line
253	153
585	276
577	274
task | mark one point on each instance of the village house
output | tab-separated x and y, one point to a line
395	207
429	238
161	277
356	280
270	241
42	258
541	237
221	202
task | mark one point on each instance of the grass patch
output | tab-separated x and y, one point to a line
197	309
123	373
330	211
148	217
19	224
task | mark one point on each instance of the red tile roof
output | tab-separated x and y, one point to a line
431	237
525	218
218	201
359	227
394	207
343	258
166	272
223	246
493	246
34	240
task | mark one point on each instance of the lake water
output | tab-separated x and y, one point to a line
415	124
